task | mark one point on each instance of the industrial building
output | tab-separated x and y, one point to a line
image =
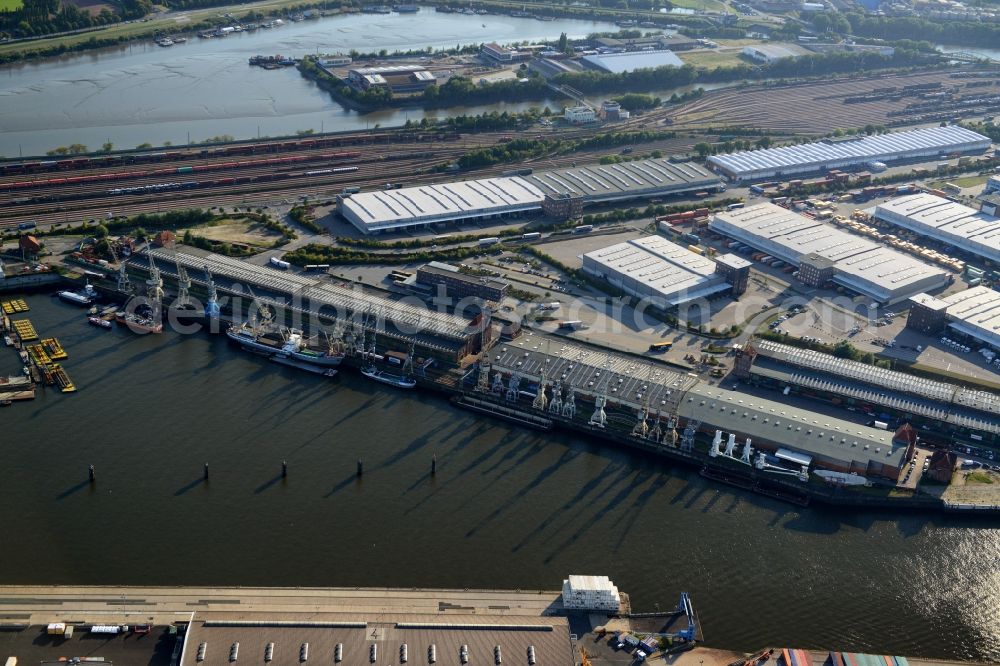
926	142
657	271
494	51
308	299
876	272
963	228
666	399
579	115
768	53
594	593
220	626
672	42
397	78
620	63
423	206
735	270
457	284
976	313
951	410
825	441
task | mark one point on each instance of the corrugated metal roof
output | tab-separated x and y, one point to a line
633	60
879	147
942	219
860	264
798	429
661	267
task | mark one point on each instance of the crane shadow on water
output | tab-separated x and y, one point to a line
567	457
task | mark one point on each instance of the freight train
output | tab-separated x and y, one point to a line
161	187
12	167
162	173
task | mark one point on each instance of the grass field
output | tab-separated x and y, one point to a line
710	59
965	181
10	5
706	5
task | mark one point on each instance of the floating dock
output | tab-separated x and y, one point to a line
38	355
62	380
24	329
15	306
55	350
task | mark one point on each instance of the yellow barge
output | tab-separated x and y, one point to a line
38	355
14	306
65	384
24	329
55	350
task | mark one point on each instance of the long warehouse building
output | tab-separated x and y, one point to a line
926	142
876	272
964	228
569	373
656	270
470	200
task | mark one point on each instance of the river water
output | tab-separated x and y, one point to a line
204	88
508	508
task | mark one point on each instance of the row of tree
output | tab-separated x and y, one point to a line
43	17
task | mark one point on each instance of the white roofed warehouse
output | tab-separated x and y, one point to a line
863	266
976	313
591	593
422	206
944	220
926	142
654	269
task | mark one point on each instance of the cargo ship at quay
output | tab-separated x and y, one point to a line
288	344
764	446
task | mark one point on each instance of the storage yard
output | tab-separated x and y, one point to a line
851	152
964	228
883	275
819	107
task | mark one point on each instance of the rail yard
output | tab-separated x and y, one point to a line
822	107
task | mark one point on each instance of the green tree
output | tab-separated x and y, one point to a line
703	149
100	231
107	147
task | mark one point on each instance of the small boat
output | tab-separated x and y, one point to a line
399	381
85	297
7	341
180	40
6	403
166	41
97	321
